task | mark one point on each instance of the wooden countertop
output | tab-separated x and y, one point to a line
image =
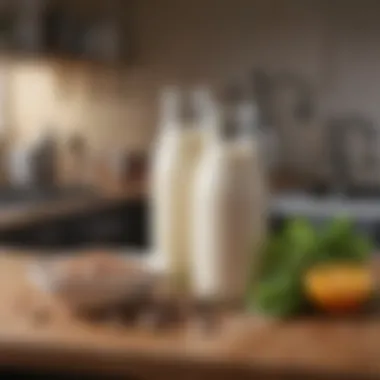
246	346
21	215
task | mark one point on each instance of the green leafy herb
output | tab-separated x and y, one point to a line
338	241
277	289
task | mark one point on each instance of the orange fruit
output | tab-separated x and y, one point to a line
340	287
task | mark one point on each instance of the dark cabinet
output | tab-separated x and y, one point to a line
88	30
46	235
120	225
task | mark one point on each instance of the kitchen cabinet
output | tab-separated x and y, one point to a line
123	224
78	31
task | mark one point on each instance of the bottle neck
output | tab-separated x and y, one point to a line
193	110
233	125
227	126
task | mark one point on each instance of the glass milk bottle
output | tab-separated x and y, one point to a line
228	209
175	159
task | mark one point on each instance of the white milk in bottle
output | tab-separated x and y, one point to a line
228	210
176	157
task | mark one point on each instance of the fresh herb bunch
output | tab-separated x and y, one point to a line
286	256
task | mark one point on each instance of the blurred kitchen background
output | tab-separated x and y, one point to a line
79	82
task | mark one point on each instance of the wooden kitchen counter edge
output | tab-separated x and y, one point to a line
46	210
247	344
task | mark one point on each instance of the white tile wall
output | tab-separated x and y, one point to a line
333	45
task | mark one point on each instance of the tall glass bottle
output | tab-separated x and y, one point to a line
176	157
228	208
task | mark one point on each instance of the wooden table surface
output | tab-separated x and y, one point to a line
36	331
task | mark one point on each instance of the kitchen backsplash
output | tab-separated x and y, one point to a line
313	65
67	100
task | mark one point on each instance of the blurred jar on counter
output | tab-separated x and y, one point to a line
44	161
34	164
19	171
74	161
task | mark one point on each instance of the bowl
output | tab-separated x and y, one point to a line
339	287
93	281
